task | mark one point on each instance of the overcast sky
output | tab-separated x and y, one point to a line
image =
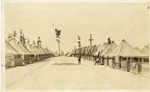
129	21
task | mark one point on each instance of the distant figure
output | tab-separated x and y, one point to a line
79	60
97	61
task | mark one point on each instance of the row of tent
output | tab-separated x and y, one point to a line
17	54
117	54
112	50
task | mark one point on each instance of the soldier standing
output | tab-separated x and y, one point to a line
79	59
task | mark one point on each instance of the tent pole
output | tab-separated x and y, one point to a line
108	61
119	62
139	65
128	64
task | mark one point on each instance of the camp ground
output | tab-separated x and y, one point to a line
20	54
75	46
122	56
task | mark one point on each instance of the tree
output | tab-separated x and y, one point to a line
109	41
58	32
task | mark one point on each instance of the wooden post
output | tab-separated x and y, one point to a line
128	65
139	65
13	61
23	58
120	62
108	61
102	60
38	57
113	62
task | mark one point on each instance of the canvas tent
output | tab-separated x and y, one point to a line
127	56
100	49
93	49
137	48
125	50
145	50
12	56
9	49
82	50
108	49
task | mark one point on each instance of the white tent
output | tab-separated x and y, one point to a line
109	49
125	50
137	48
145	50
9	49
100	49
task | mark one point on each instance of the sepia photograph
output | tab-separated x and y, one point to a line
75	45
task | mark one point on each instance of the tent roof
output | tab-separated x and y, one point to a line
82	50
34	49
137	48
9	49
109	49
39	50
88	50
145	51
100	49
17	47
95	49
24	49
126	50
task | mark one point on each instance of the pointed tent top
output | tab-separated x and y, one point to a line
137	48
109	49
124	40
126	50
100	49
9	49
145	51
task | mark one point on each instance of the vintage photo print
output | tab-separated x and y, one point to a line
75	45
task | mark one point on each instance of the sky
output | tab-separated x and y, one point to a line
129	21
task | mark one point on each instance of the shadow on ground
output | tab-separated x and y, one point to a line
65	64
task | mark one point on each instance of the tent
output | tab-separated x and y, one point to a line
100	49
26	51
137	48
30	48
17	47
86	50
12	56
108	49
9	49
93	49
125	50
83	50
145	50
125	55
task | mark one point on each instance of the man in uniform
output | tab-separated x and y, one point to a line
79	59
